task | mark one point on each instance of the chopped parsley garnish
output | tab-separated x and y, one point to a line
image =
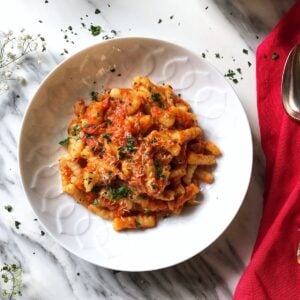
130	144
17	224
109	173
70	27
155	97
107	137
230	74
64	142
94	95
275	56
75	130
137	224
8	208
119	192
245	51
95	30
97	11
121	153
154	186
158	169
235	80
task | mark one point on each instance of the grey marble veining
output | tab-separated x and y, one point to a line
49	271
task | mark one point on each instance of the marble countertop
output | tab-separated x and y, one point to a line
226	27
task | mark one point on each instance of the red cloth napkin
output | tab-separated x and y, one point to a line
273	272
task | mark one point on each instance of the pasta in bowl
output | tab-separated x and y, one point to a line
136	154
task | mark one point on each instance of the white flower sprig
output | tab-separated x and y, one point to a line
13	49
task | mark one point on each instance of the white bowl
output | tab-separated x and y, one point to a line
219	112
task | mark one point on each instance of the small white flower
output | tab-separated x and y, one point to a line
34	46
9	33
7	74
11	55
3	86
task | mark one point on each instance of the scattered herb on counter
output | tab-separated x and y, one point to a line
119	192
95	30
206	8
239	70
234	80
8	208
171	17
78	274
40	21
203	55
97	11
11	280
70	27
94	95
42	233
245	51
17	224
275	56
66	51
107	137
249	64
159	21
217	55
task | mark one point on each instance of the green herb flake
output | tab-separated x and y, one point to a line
64	142
275	56
75	130
17	224
95	30
239	70
119	192
130	144
249	64
121	153
42	233
245	51
154	186
235	80
158	169
70	27
217	55
97	11
155	97
203	55
137	224
8	208
94	95
107	137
